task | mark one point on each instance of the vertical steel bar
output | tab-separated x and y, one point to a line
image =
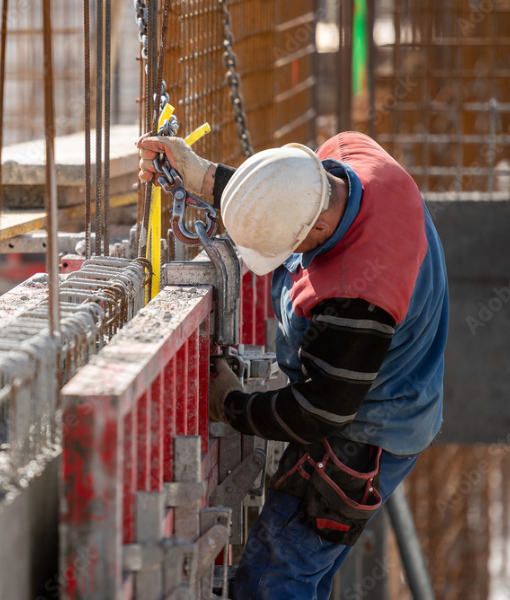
129	477
91	520
344	89
248	309
181	420
51	173
371	66
203	378
107	122
88	166
143	445
260	310
409	546
169	403
3	47
157	439
99	123
193	384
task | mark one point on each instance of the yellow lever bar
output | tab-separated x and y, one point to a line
154	233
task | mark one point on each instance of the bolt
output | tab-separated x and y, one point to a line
186	567
230	489
179	195
320	465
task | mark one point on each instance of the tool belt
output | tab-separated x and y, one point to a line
339	489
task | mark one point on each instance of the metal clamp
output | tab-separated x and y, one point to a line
223	271
171	183
235	486
251	363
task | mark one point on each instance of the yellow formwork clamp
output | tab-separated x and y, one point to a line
154	233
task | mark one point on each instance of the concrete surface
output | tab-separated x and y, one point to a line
476	241
29	534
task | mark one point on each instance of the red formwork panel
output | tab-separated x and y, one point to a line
203	378
193	385
121	410
248	313
169	418
129	477
157	437
143	442
181	382
130	403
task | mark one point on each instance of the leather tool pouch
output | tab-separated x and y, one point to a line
338	499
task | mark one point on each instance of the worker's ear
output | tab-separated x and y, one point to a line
322	229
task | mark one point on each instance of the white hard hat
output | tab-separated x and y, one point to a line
272	202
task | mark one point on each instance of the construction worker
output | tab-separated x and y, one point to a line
360	291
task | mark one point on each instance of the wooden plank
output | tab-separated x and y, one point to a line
15	223
24	163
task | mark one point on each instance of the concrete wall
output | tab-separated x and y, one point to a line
476	240
29	535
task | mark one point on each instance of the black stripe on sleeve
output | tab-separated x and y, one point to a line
223	175
341	354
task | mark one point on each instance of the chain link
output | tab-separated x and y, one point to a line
142	18
233	79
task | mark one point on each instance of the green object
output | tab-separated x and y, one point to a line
359	47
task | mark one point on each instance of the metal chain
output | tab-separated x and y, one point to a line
233	79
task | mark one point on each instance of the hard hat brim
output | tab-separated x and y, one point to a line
262	265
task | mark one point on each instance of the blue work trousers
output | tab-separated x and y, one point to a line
285	559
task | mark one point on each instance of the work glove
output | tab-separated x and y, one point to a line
191	167
225	382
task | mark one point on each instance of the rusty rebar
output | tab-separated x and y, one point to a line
51	175
99	123
88	166
5	9
107	123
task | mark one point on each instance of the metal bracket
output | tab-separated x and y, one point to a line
215	536
237	484
217	430
223	271
181	493
252	362
176	559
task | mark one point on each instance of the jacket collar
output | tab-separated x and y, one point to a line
338	169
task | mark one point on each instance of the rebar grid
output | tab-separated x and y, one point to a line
23	118
441	102
95	303
274	44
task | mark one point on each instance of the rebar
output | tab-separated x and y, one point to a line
95	303
99	123
51	173
107	122
88	165
5	10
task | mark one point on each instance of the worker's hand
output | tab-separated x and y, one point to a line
225	382
191	167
